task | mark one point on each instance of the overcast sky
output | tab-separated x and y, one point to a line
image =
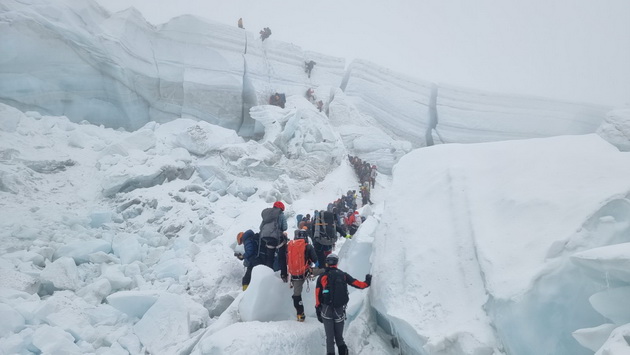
576	50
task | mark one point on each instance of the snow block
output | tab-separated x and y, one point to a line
594	338
127	247
610	262
12	320
81	251
169	323
114	274
9	118
267	298
18	281
52	340
133	303
61	274
612	304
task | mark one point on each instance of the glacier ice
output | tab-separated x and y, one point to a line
127	72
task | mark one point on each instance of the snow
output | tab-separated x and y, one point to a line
80	251
466	289
511	241
615	128
502	117
133	303
608	302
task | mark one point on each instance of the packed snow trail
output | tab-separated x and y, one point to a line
266	311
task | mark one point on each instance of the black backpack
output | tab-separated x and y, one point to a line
336	292
325	228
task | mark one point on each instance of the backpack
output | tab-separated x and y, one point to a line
254	259
299	218
325	228
296	257
269	227
336	292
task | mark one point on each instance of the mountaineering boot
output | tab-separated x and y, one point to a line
245	287
343	349
299	307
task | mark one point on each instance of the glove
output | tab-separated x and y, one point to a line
285	278
239	256
318	312
368	279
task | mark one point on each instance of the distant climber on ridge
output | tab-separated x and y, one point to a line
265	33
308	67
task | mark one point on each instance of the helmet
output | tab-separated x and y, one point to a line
279	205
332	259
302	234
239	238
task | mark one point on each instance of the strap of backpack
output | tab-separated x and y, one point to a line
317	223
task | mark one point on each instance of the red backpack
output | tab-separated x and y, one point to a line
296	257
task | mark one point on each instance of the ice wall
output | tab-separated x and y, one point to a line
399	105
273	66
483	262
468	116
75	59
